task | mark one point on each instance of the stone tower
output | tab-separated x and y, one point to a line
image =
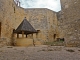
69	20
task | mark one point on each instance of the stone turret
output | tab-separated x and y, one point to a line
17	2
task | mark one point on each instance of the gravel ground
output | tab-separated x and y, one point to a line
39	53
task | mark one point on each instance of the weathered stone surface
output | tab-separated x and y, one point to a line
65	24
41	19
69	19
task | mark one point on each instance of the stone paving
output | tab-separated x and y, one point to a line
39	53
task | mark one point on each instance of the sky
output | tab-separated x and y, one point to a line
50	4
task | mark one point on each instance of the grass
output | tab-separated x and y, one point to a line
55	43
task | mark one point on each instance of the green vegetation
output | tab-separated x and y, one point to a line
55	43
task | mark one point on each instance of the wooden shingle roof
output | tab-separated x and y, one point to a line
26	27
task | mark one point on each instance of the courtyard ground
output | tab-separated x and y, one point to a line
42	52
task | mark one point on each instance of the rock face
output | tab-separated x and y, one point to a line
69	20
42	19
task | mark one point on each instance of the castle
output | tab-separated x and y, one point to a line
49	24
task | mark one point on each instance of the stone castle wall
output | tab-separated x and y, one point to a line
9	16
69	20
41	19
44	20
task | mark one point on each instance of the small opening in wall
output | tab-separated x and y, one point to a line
38	31
54	36
14	9
13	30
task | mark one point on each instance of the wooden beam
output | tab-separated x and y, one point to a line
26	35
17	35
32	36
22	34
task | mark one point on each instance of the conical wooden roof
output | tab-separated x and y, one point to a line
26	27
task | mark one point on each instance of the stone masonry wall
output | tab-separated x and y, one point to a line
44	20
41	19
69	20
10	17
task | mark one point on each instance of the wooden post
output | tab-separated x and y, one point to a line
17	35
32	36
22	34
14	35
36	35
26	35
33	40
